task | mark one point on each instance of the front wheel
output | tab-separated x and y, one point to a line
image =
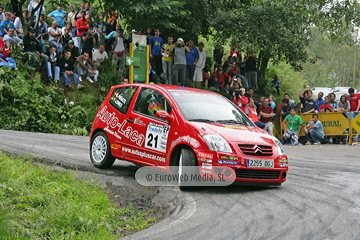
187	159
100	153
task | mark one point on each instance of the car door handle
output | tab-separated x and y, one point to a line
129	120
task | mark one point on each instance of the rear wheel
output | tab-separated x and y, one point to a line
100	153
187	159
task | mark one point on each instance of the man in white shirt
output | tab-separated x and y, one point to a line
119	48
99	56
2	15
199	66
18	23
55	36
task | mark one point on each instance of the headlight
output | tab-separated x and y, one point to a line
279	147
217	143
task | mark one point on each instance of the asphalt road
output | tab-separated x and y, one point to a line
320	199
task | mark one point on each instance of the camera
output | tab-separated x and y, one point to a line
237	92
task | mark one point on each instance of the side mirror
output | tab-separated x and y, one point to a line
164	115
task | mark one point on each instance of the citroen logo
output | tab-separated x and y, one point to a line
257	149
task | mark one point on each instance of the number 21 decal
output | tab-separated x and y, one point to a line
156	136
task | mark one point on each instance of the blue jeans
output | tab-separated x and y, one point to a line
73	32
190	69
68	80
53	71
313	136
58	46
42	43
260	124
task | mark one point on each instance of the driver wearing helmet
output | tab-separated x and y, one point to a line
154	106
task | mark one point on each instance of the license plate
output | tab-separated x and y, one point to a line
257	163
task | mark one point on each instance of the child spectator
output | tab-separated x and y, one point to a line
293	125
66	37
6	24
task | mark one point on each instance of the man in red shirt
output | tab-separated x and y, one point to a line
82	26
326	105
267	114
354	100
221	78
239	99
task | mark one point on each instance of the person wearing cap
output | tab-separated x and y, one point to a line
156	43
199	66
33	47
130	37
192	58
179	69
167	60
73	49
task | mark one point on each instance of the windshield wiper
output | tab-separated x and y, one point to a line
201	120
229	121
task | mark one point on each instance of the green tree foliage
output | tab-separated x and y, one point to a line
182	18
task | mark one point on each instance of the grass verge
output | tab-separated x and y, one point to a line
38	203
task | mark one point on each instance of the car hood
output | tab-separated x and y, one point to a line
235	133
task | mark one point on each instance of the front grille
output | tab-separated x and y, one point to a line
256	150
257	174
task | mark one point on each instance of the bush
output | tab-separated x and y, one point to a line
29	103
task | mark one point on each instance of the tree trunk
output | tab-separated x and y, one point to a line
263	62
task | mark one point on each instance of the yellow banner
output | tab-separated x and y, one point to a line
334	123
356	123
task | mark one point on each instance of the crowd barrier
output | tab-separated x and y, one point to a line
334	123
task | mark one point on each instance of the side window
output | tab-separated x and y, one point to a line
121	98
150	101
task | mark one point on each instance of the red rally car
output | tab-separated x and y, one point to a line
165	125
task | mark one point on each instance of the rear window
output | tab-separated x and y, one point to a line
121	98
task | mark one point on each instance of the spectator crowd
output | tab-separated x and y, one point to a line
74	46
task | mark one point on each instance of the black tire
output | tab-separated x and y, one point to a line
100	154
187	158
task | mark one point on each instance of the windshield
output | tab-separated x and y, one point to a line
207	107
